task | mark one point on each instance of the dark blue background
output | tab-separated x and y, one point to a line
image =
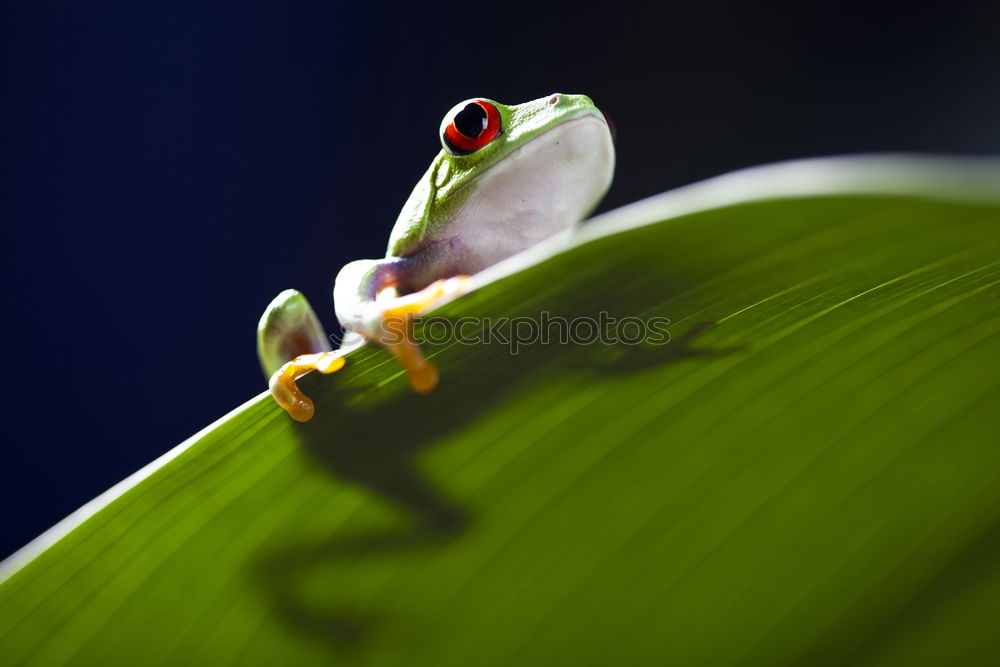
171	166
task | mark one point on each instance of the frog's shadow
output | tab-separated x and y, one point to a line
375	443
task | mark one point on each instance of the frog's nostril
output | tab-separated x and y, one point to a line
554	99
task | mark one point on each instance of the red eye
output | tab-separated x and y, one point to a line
472	127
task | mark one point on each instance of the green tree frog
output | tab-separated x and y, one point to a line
506	178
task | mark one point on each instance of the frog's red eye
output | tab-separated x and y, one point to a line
471	127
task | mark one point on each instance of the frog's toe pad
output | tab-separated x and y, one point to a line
423	378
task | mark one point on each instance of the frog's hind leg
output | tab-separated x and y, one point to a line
290	343
287	329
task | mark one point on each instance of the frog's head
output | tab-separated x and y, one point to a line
507	177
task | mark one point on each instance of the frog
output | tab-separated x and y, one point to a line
505	179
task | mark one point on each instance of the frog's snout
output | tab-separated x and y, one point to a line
583	101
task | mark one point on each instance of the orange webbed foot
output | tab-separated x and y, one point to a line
287	393
396	327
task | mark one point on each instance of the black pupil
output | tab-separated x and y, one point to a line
471	120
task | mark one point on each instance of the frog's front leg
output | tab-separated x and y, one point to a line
395	315
372	300
290	339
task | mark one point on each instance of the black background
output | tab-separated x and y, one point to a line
172	166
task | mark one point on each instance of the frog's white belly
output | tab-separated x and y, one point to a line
545	186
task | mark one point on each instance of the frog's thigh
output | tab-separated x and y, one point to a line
287	329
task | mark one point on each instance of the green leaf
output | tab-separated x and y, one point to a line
813	480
